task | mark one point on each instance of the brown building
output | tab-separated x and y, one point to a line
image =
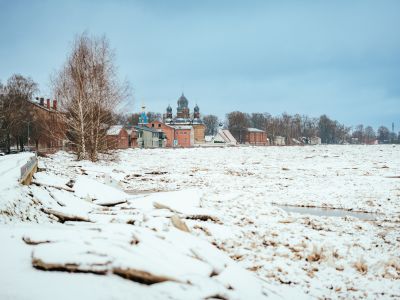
199	133
117	137
257	137
46	127
176	135
184	136
132	137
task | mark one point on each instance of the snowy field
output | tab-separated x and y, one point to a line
219	223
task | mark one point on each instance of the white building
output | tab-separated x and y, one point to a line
279	141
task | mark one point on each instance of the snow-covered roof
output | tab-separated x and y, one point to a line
254	130
114	130
224	136
182	127
229	136
145	128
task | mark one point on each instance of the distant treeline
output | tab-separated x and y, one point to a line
289	126
297	127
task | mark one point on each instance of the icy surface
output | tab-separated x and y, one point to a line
240	244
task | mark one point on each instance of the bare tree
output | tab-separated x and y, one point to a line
238	122
211	123
153	116
133	119
15	115
358	133
369	135
383	134
258	120
2	117
89	92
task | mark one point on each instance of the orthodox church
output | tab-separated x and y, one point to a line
183	117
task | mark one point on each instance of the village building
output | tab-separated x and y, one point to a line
256	137
315	140
279	141
47	128
132	137
175	135
184	136
183	117
169	132
117	137
149	137
223	136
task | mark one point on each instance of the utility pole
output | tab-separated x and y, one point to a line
29	137
392	134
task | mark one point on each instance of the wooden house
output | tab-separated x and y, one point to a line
117	137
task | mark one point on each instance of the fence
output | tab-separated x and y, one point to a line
28	169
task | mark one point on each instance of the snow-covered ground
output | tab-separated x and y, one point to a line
115	225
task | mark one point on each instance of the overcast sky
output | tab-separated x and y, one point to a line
341	58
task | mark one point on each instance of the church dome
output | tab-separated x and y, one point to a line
169	109
196	108
183	102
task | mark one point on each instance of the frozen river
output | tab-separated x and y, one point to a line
323	220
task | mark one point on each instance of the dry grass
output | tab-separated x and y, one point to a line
361	266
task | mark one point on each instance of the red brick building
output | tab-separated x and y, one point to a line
184	136
117	137
47	126
177	135
257	137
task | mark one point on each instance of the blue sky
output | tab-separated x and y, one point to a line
341	58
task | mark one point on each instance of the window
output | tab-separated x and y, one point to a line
159	125
152	125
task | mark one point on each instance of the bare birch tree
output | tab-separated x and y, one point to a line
89	92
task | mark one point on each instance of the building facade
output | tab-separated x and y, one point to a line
132	133
169	131
149	137
46	127
279	140
175	135
256	137
184	136
117	137
183	117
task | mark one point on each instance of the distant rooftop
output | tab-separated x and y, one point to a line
114	130
254	130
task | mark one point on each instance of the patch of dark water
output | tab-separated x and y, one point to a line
327	212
